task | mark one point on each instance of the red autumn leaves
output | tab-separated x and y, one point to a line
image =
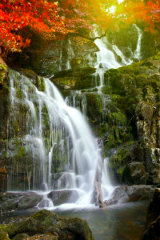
41	16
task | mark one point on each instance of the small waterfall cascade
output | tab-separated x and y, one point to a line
105	60
70	54
57	140
106	56
137	53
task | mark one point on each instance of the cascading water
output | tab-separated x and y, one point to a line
59	133
137	53
106	58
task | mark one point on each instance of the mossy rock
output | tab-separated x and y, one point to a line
74	79
21	236
3	73
128	164
3	235
44	222
94	107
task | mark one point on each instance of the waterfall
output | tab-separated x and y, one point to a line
55	134
58	146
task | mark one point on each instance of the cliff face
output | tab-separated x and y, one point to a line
125	116
135	89
14	163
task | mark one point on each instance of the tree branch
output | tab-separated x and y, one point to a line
86	37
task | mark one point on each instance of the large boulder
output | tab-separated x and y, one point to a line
63	196
21	201
123	194
48	226
29	200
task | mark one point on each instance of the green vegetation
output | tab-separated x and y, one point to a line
3	73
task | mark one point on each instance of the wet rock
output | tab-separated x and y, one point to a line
48	57
9	201
133	193
75	78
49	226
13	201
29	200
152	231
137	172
63	196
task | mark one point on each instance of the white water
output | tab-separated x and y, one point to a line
69	138
106	58
137	53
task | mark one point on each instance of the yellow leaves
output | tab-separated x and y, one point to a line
56	3
113	13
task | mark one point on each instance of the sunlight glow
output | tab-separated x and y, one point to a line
120	1
112	9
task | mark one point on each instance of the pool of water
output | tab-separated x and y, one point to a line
118	222
123	222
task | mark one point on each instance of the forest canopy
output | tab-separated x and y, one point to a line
57	18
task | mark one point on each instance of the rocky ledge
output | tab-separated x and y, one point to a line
18	201
47	226
124	194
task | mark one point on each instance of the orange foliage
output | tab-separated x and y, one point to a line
154	10
3	170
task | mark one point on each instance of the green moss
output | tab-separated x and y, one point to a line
40	83
80	78
3	227
95	107
4	235
120	170
19	93
3	72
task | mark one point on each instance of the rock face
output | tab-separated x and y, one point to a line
13	128
4	116
76	79
135	90
48	57
153	219
47	226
